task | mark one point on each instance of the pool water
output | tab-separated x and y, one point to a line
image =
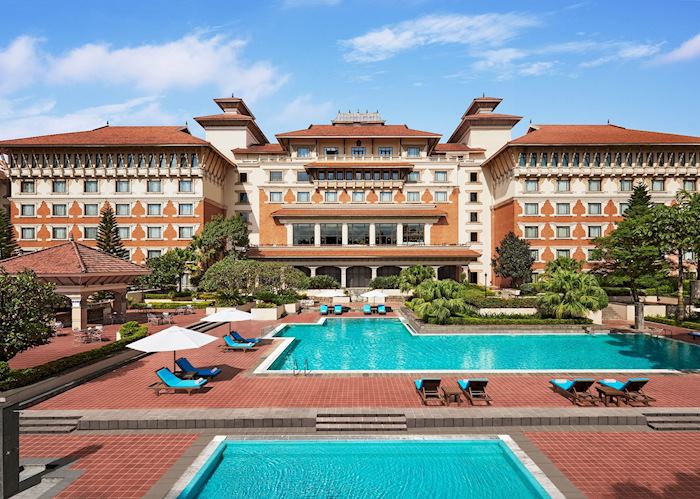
387	345
361	469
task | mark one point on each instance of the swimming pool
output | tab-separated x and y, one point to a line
373	344
366	468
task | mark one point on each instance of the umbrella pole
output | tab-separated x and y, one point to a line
173	360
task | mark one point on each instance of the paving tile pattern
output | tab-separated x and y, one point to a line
119	466
626	465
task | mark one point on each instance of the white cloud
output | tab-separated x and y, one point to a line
622	51
497	59
537	68
689	49
474	31
19	64
302	111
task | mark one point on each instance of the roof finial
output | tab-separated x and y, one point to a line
186	124
107	122
232	96
608	121
483	94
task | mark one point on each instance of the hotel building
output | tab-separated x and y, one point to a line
354	199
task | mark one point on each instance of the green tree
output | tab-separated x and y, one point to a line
167	270
220	237
108	239
439	310
411	277
567	294
8	244
513	260
231	276
323	282
639	202
25	313
563	263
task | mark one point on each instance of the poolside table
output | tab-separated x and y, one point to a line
452	395
610	395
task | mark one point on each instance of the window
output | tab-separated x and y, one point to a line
330	151
276	176
124	233
154	232
59	233
521	159
595	185
531	185
27	210
153	185
331	234
586	159
153	209
91	210
626	185
413	196
608	159
245	216
385	197
358	151
59	210
185	232
441	196
413	151
153	254
386	151
276	197
331	197
595	209
413	233
555	159
185	209
358	196
473	177
563	232
473	237
243	177
563	253
122	186
27	186
441	176
532	232
689	185
59	186
658	185
90	186
303	152
303	234
185	185
413	177
90	233
623	207
473	216
533	159
563	209
535	254
575	160
565	159
123	210
563	185
594	231
303	197
385	234
473	197
532	209
303	177
243	197
27	232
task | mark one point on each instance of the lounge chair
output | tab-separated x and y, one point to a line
575	390
324	309
187	367
381	309
169	381
367	309
475	390
338	310
237	337
632	388
429	389
694	335
230	345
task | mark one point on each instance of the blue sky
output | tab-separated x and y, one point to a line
67	66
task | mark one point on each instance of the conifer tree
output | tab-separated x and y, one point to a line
108	239
8	244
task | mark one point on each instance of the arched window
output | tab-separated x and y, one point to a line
681	159
555	159
98	160
587	159
120	160
618	159
565	159
163	161
13	162
56	161
77	161
66	161
575	160
607	159
130	161
88	161
173	161
543	159
195	161
660	159
45	160
110	161
533	159
640	159
650	159
671	159
521	159
34	165
628	159
183	160
691	159
151	161
142	161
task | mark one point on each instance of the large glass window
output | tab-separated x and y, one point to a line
153	254
413	177
303	152
689	185
59	233
413	197
331	197
521	159
531	185
185	232
563	232
90	186
185	185
303	197
563	253
154	232
595	231
124	233
123	210
122	185
59	186
90	233
153	209
563	209
385	234
413	151
28	232
153	185
330	151
413	233
385	197
27	186
358	233
440	176
276	176
27	210
595	208
303	177
386	151
658	185
59	210
276	197
358	196
626	185
243	197
532	232
91	210
441	196
563	185
331	234
595	185
532	208
358	151
185	209
303	234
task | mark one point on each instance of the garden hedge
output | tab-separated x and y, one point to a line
495	302
672	322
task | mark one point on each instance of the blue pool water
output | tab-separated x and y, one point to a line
364	469
386	344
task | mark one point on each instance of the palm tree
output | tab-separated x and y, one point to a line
411	277
439	310
568	294
432	290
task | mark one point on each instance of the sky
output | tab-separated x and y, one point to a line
74	65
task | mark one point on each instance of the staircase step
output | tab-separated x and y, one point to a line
47	429
360	427
26	422
674	419
362	420
671	426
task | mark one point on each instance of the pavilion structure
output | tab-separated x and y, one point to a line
79	271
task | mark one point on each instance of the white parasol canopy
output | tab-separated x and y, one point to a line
230	315
172	339
328	293
375	296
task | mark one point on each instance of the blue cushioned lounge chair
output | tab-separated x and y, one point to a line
169	381
324	309
575	390
187	367
694	335
237	337
367	309
429	389
231	345
381	309
474	390
338	310
632	388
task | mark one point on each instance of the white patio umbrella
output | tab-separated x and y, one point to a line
172	339
231	315
328	293
374	294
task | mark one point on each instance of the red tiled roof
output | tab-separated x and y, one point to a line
380	211
492	116
260	149
358	131
71	259
598	134
113	135
224	117
456	147
363	252
359	164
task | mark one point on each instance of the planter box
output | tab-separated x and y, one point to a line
507	311
292	308
245	308
267	314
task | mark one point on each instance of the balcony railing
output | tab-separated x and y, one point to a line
349	158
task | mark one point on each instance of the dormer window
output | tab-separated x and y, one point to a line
303	152
413	151
358	151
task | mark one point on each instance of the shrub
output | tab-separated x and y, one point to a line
168	305
277	299
156	296
495	302
265	305
132	327
528	289
323	282
513	320
673	322
251	276
412	276
617	291
385	282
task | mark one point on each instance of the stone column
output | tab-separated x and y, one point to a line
399	234
426	234
313	271
78	311
317	234
435	269
374	271
344	231
372	235
120	302
290	234
9	447
343	277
